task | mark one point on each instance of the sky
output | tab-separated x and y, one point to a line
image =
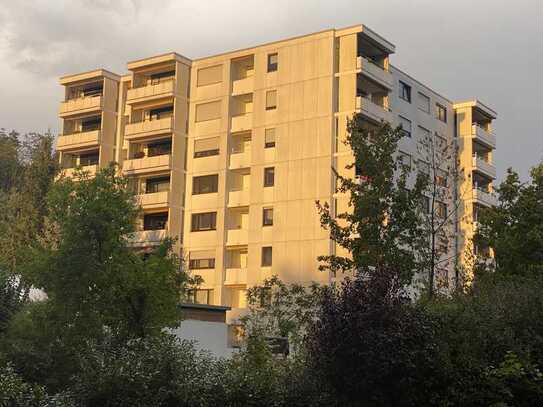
488	49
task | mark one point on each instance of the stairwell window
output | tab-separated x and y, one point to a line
267	256
272	62
405	91
204	221
271	100
267	217
269	177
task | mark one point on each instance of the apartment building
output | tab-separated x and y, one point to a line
229	153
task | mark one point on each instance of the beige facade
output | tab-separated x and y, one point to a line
229	153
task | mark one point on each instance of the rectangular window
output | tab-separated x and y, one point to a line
154	185
201	264
269	138
269	177
89	158
206	184
159	148
272	62
162	77
442	210
405	124
155	221
93	89
209	75
161	113
271	100
206	147
426	204
441	113
404	159
267	217
405	92
266	256
200	296
423	102
208	111
204	221
91	123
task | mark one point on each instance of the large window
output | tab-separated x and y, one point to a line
209	75
200	296
202	264
405	92
269	138
269	177
423	102
441	113
272	62
267	256
267	217
271	100
161	113
208	111
159	148
205	184
206	147
155	221
91	123
204	221
406	126
154	185
156	78
89	158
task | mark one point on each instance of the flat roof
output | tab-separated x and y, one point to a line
157	59
83	76
478	105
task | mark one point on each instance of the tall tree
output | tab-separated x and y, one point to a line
382	230
514	228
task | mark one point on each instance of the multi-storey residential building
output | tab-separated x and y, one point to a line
229	153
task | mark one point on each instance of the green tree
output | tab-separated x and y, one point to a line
382	230
514	228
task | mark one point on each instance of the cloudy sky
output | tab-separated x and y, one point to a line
489	49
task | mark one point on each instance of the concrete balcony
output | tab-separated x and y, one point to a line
76	141
239	198
482	136
80	105
235	276
484	167
241	123
243	86
373	111
240	160
147	237
90	170
150	92
237	237
374	72
148	128
484	197
147	164
154	200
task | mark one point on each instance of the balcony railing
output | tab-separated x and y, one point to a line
240	160
484	136
80	105
241	123
243	86
374	72
484	197
90	170
235	237
78	140
481	165
372	110
154	200
147	237
235	276
161	89
148	128
238	198
146	164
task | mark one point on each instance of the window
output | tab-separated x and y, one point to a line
89	158
206	147
93	89
154	185
405	124
267	217
423	102
272	62
405	92
204	221
205	184
155	221
160	113
441	178
266	256
442	210
441	113
269	177
404	159
200	296
201	264
209	75
426	203
162	77
208	111
271	100
159	148
269	138
91	123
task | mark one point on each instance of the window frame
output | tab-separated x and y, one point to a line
267	172
271	107
440	108
197	180
272	66
267	220
422	96
266	256
404	86
195	222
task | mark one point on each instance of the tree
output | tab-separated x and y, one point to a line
514	228
383	228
